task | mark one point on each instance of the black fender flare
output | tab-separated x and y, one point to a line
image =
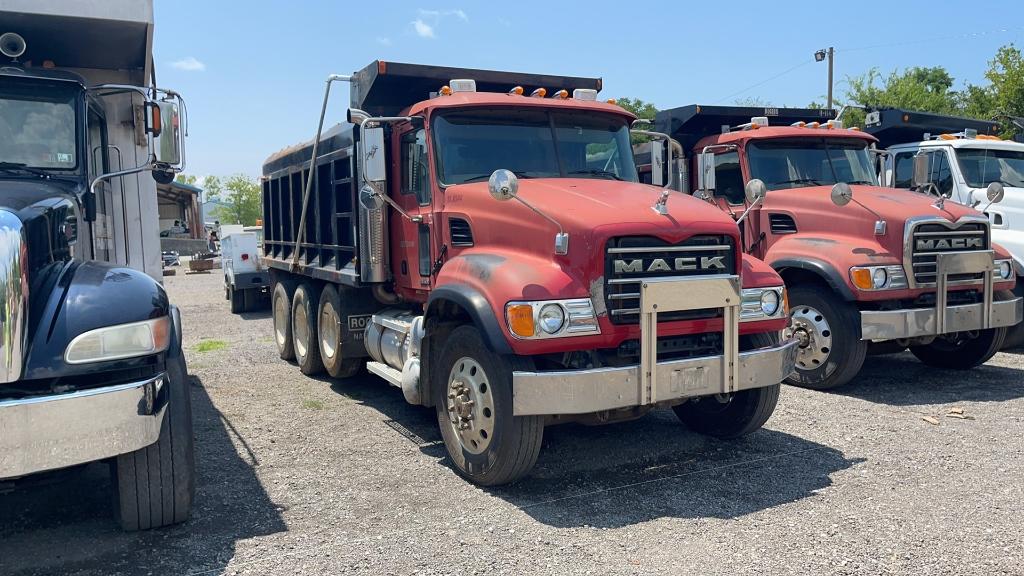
820	268
479	310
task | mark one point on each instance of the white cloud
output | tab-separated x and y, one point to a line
423	30
383	41
189	64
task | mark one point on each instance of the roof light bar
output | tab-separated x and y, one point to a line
588	94
462	85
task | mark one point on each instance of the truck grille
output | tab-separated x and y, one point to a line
929	240
630	259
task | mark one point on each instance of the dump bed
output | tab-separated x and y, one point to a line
894	126
385	88
688	124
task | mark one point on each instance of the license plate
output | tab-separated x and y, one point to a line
688	381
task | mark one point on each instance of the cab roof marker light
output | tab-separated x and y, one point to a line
516	91
586	94
834	124
462	85
759	122
445	91
612	101
539	93
813	124
799	124
561	94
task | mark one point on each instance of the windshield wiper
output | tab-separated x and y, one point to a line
861	182
800	181
11	166
591	172
486	176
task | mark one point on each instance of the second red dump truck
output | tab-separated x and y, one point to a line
867	267
479	239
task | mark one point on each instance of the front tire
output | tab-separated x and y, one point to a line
281	305
738	415
960	351
831	352
331	311
154	486
304	330
473	400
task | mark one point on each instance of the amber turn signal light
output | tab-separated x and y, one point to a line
520	320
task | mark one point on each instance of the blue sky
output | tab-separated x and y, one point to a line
253	72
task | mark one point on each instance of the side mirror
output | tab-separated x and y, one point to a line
706	172
89	205
374	167
503	184
755	190
995	193
921	172
167	135
842	194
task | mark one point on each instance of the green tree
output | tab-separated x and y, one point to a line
189	179
212	188
1005	95
922	89
241	201
640	109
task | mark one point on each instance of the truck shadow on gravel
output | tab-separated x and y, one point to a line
67	526
902	380
626	473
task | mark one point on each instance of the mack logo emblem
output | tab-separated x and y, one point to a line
949	243
638	265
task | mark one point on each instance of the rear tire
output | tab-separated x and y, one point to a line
961	353
330	312
281	305
742	413
495	447
304	330
237	300
154	486
831	352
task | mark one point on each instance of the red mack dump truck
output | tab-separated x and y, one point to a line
479	239
867	267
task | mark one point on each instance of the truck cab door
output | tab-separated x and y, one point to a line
411	251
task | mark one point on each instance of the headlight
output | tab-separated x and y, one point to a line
1004	268
889	277
762	303
551	318
121	341
769	302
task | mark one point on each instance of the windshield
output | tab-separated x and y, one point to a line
982	166
532	143
37	126
800	162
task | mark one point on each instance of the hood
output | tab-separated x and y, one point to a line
584	206
23	196
48	210
814	212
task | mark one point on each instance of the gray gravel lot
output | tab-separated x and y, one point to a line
307	476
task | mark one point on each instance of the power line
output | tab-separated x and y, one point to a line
763	82
933	39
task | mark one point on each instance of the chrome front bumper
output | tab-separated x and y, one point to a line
942	319
51	432
652	382
584	391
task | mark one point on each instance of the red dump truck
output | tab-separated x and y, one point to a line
479	239
867	267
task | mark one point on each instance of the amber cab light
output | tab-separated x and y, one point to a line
520	320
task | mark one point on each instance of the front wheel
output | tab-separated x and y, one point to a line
154	486
488	445
831	352
730	416
961	351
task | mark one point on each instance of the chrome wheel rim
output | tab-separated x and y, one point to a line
329	331
814	334
470	405
300	330
281	321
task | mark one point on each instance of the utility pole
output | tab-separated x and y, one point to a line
818	57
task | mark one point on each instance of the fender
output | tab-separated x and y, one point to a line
479	310
820	268
87	296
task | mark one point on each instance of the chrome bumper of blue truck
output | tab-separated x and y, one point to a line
51	432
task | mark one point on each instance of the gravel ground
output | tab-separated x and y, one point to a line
307	476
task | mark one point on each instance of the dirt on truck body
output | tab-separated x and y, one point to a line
483	243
